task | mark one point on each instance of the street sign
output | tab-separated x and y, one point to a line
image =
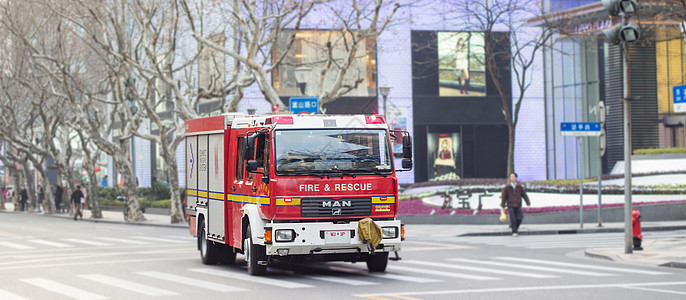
580	128
679	98
303	104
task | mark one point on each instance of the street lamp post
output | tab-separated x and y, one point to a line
625	33
384	90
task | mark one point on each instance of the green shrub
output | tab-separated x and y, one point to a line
166	203
659	151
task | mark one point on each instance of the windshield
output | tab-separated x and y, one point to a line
312	151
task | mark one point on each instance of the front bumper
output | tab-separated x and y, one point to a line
309	239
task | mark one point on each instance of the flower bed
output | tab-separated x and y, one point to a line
416	207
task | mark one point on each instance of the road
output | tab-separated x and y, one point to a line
50	258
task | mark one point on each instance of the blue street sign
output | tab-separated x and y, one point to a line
580	128
679	98
303	104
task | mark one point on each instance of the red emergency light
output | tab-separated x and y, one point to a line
279	120
374	119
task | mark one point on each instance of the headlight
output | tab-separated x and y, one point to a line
390	232
285	235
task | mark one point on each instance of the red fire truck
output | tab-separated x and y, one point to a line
292	187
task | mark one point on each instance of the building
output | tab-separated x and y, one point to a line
457	123
581	70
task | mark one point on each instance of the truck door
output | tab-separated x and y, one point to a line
236	189
215	189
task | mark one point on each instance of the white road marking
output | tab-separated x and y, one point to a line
259	279
62	289
16	246
524	289
443	274
338	279
161	240
555	263
405	278
86	242
192	282
5	295
49	243
477	269
654	290
128	285
126	241
511	265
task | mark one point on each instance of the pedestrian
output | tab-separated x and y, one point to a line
76	197
23	198
512	198
104	181
58	198
41	197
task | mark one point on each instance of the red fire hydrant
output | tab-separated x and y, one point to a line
636	222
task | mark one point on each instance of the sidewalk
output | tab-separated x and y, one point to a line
532	229
668	252
114	217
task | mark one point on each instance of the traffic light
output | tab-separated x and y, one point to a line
615	7
626	32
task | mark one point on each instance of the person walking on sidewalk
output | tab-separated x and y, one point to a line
512	198
58	198
76	202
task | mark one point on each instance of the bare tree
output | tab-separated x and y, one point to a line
510	45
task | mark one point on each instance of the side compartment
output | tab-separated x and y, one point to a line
202	174
216	186
191	178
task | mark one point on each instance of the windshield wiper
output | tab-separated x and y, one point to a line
373	171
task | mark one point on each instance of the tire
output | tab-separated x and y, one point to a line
253	254
377	262
209	253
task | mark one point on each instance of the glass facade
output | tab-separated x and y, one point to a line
671	71
572	95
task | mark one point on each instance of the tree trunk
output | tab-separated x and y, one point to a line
17	183
510	149
30	185
125	168
47	193
177	215
88	164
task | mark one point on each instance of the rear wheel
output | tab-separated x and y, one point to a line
377	262
254	254
209	253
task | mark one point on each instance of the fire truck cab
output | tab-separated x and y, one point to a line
292	187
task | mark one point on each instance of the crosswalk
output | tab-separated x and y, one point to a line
149	283
595	240
66	243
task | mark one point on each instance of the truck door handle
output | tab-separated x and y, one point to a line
254	189
233	188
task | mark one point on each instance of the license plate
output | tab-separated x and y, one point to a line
337	237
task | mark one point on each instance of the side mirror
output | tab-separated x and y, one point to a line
407	148
252	166
407	163
250	146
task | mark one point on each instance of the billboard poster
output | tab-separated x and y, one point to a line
444	156
461	64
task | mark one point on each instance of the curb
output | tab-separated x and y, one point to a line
56	216
573	231
592	254
123	222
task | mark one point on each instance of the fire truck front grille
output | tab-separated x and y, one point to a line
327	207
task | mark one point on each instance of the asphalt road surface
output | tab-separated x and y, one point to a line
50	258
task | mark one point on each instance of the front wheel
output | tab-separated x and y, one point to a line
377	262
254	254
